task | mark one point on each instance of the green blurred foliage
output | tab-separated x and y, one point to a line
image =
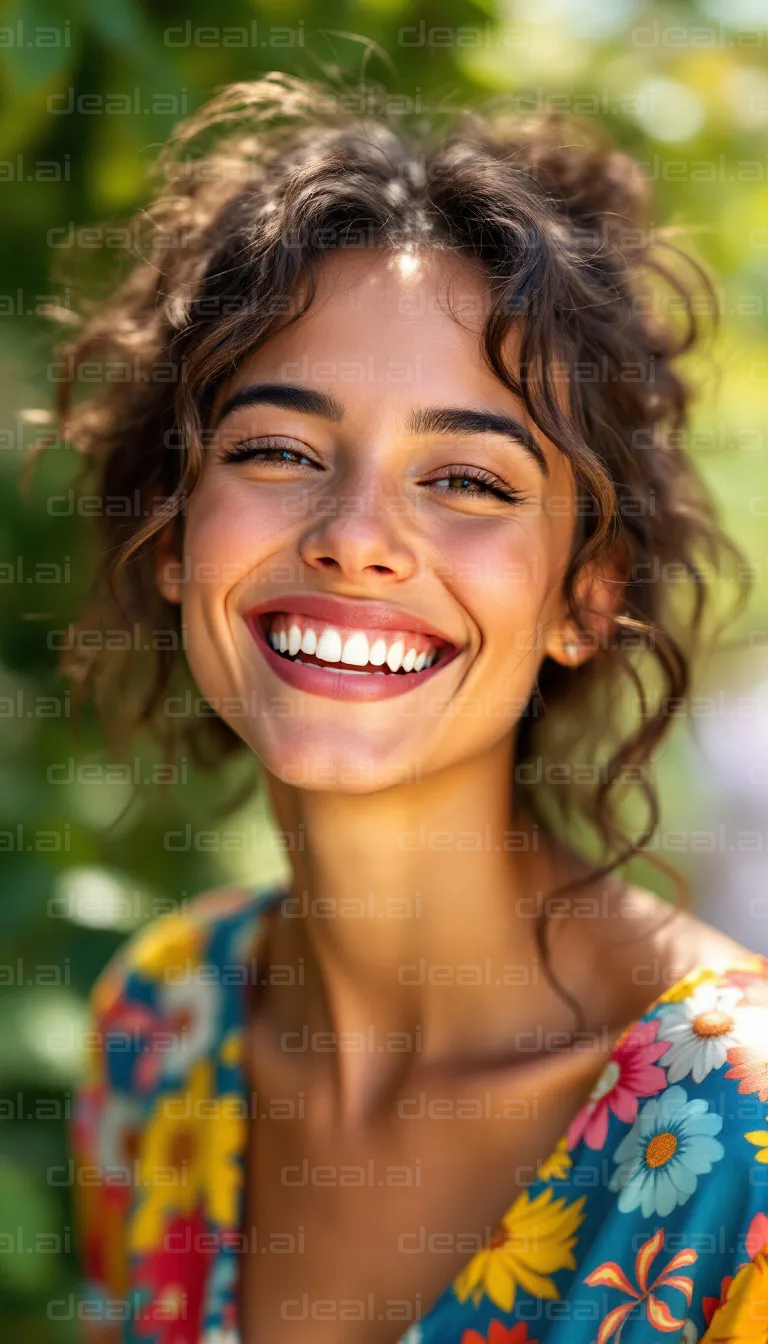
684	88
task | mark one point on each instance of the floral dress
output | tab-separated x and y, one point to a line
648	1221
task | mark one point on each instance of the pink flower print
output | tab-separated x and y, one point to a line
631	1073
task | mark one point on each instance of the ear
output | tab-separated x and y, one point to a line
168	566
599	590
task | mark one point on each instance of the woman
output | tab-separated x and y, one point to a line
400	411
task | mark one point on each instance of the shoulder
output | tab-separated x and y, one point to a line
171	998
705	1036
174	993
680	1118
645	946
166	1018
680	940
164	949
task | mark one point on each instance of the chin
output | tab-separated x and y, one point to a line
335	761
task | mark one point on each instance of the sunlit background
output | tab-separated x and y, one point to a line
685	89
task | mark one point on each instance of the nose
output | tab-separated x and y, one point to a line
358	537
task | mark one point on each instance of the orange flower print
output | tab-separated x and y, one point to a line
751	1068
611	1275
746	971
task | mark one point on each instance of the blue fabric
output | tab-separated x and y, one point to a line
651	1204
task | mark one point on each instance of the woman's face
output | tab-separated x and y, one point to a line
372	496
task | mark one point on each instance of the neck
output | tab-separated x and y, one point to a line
413	907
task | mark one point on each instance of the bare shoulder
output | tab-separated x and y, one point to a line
623	946
654	945
679	940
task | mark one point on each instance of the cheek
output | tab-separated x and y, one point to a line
503	571
510	580
232	526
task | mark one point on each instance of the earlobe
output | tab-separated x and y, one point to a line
168	566
564	644
598	594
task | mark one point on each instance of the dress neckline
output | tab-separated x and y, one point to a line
266	904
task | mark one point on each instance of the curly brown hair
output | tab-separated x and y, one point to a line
255	190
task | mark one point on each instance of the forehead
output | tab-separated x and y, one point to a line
405	284
390	331
408	319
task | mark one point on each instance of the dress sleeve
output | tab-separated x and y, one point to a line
152	1037
683	1250
104	1133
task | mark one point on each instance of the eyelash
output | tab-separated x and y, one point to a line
251	448
488	484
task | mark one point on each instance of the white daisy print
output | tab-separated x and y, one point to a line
660	1160
701	1029
191	1012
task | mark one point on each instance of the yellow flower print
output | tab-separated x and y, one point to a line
760	1139
533	1240
231	1048
170	941
684	988
558	1164
188	1156
224	1174
744	1312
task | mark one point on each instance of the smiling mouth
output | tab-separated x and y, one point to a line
306	641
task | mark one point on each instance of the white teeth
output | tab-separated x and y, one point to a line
294	640
395	655
329	647
355	650
309	641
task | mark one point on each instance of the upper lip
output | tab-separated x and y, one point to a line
351	613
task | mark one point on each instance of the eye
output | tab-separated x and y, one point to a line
473	483
273	452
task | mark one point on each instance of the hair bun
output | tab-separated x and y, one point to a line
590	180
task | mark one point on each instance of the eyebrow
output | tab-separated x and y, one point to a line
462	420
288	397
426	420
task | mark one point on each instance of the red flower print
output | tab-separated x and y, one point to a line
172	1282
756	1244
757	1236
751	1068
500	1334
631	1073
709	1305
138	1023
611	1275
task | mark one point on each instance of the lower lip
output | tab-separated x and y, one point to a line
336	685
